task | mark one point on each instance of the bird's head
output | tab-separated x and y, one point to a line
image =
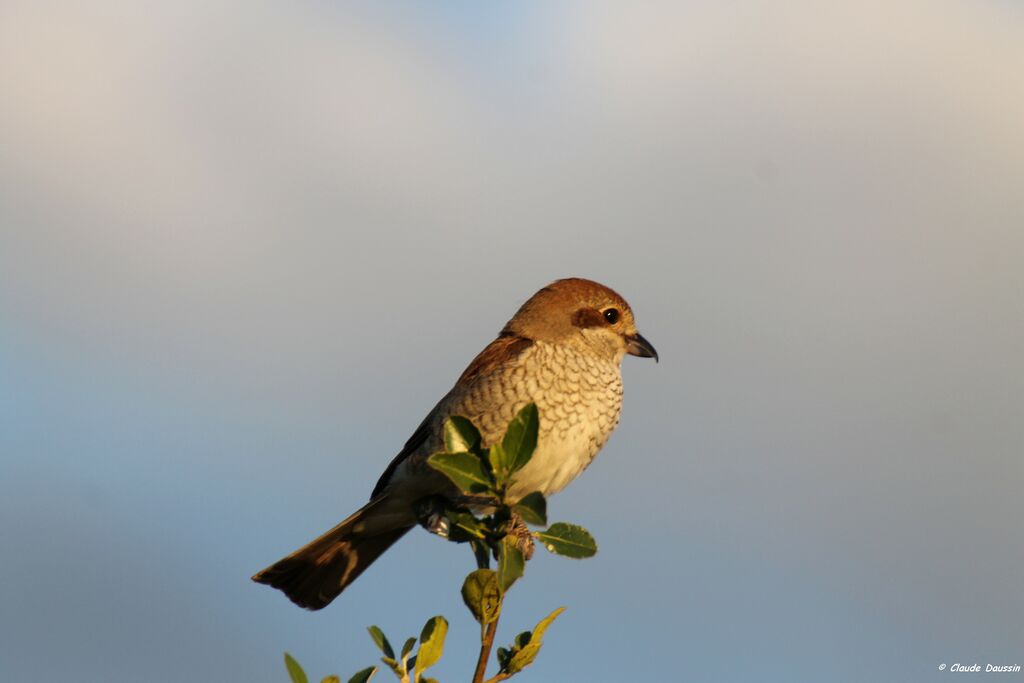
581	313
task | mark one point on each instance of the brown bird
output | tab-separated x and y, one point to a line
562	350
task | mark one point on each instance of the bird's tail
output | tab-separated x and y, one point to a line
315	574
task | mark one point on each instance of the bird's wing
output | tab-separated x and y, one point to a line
418	438
505	349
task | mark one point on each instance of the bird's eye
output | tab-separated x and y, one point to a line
612	315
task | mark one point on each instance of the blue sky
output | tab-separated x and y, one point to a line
245	248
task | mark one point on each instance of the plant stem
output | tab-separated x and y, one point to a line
486	643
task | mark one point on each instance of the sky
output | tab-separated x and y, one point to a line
244	248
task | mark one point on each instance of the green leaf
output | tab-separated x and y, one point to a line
463	526
539	629
528	651
407	648
381	641
523	658
533	508
504	655
331	679
511	563
498	461
568	540
431	644
497	464
295	671
464	469
364	675
460	435
482	595
521	438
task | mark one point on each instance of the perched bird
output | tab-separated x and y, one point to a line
562	350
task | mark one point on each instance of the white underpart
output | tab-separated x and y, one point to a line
579	397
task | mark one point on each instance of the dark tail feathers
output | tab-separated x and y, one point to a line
315	574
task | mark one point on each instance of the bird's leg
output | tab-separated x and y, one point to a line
514	527
520	533
433	512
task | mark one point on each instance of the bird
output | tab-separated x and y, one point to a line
562	351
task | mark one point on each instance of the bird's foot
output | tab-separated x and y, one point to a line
520	533
430	513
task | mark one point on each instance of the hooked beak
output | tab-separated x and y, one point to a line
636	345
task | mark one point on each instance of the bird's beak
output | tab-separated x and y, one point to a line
636	345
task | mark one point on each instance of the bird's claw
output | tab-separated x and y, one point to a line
430	513
520	533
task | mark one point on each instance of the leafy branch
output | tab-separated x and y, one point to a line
495	526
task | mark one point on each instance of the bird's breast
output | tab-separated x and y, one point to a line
578	397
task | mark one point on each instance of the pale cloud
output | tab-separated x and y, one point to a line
175	123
